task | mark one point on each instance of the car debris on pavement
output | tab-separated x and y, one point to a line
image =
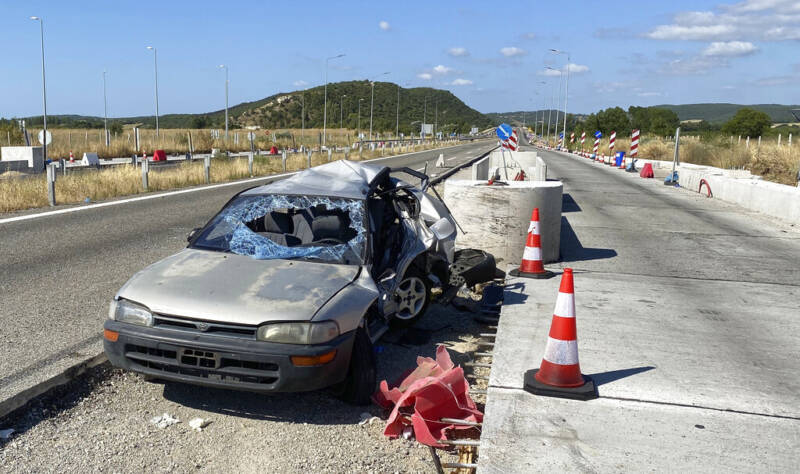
164	421
434	391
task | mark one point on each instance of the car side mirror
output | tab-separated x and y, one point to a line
387	276
192	233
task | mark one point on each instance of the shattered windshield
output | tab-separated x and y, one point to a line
289	227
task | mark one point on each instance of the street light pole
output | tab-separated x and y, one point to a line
566	91
359	119
325	111
424	113
44	90
341	110
222	66
105	108
155	67
397	125
372	103
302	117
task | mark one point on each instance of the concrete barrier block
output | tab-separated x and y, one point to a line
496	218
32	155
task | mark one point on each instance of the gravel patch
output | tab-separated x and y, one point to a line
102	421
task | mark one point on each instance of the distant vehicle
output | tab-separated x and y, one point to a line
288	286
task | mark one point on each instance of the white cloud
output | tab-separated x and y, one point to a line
648	94
776	81
461	82
384	25
425	76
442	70
511	51
458	52
529	36
577	68
730	48
300	83
763	20
549	72
573	69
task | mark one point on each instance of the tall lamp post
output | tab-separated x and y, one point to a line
105	109
543	106
155	67
44	90
222	66
325	112
556	103
566	91
359	119
372	103
341	111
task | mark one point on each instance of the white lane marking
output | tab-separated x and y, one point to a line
181	191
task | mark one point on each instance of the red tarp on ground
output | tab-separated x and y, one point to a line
647	171
436	389
159	155
273	150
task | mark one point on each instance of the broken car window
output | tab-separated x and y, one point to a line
286	227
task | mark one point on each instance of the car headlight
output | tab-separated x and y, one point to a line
298	333
125	311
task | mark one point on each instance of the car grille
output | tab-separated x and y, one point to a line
202	364
204	327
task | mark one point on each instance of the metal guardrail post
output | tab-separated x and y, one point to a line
347	153
283	159
207	168
51	184
360	150
63	164
145	171
250	163
330	154
309	158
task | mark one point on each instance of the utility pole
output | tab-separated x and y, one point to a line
105	109
222	66
424	113
341	110
372	103
397	125
155	67
359	119
44	90
302	117
325	111
566	91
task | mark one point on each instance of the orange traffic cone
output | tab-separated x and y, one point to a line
71	157
532	265
560	372
622	163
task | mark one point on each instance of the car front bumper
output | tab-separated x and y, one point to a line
225	362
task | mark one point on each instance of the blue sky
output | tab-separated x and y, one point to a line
491	55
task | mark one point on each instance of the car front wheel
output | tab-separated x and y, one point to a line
412	296
359	385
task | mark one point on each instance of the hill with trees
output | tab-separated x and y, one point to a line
291	109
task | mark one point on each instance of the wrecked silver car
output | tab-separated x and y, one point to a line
288	286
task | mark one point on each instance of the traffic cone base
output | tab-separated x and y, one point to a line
587	391
539	276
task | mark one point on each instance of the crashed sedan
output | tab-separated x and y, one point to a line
289	285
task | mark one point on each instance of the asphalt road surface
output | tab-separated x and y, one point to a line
59	272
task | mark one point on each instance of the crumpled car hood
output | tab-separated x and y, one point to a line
236	289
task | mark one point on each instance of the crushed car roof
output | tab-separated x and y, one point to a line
343	178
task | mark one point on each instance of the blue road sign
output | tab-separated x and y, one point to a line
504	131
598	134
561	134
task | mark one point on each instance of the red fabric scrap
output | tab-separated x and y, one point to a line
647	171
436	389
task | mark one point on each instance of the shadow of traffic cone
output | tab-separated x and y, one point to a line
560	372
532	265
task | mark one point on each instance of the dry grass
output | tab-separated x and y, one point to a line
80	141
775	163
17	193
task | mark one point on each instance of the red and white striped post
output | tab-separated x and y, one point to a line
635	144
596	148
611	142
583	139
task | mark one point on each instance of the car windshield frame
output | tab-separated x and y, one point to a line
234	235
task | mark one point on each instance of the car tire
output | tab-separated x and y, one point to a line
414	292
359	384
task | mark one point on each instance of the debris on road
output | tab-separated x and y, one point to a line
5	434
164	420
198	424
435	390
367	419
